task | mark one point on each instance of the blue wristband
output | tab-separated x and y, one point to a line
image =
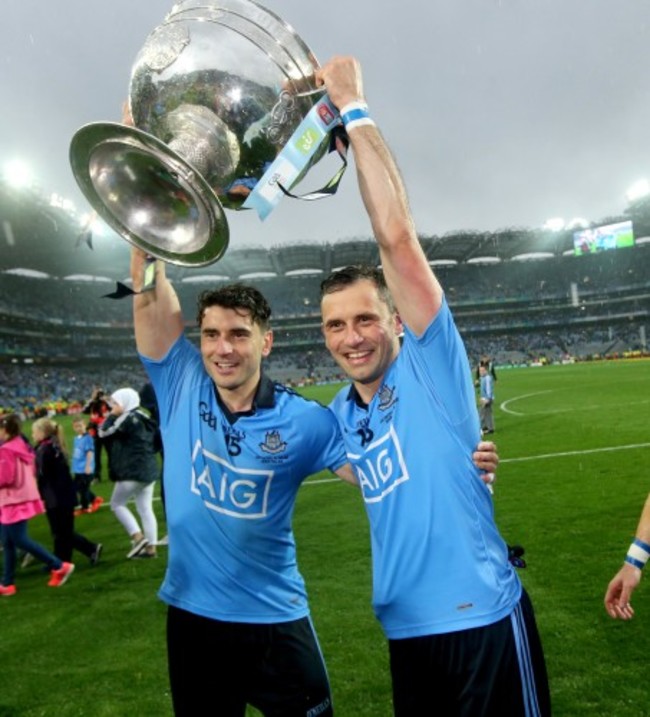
633	561
642	545
355	114
638	553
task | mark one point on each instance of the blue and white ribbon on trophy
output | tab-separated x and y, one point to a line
288	166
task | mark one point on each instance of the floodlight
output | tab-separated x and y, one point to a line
555	224
639	189
17	173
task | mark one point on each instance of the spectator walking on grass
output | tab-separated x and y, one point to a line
83	467
19	502
97	408
58	492
130	437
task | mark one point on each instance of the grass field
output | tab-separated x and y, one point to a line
573	442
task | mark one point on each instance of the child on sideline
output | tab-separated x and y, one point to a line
83	467
20	501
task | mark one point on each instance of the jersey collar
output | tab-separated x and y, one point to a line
264	398
353	395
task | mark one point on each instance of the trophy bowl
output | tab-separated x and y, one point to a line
216	91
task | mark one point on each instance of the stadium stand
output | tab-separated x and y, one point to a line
518	295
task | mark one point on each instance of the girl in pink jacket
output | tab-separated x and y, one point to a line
20	501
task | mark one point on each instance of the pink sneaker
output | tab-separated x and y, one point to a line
7	590
58	577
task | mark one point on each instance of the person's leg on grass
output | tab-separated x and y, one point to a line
122	493
144	506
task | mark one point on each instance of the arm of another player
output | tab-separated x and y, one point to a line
620	589
415	289
486	459
347	474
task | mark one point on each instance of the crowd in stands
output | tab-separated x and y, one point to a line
36	390
569	308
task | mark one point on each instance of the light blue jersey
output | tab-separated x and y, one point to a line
230	490
487	387
82	444
439	563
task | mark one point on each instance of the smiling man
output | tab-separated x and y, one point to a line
461	631
237	448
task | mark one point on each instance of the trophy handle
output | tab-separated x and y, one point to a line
149	194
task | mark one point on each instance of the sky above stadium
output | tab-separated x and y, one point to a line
500	112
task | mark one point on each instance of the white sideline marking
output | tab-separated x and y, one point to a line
553	411
541	456
560	454
504	405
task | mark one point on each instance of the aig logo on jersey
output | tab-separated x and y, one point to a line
381	468
239	492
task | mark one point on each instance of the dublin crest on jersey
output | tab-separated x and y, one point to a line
273	443
387	398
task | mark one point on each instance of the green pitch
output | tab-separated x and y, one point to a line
573	441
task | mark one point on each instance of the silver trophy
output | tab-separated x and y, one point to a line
216	91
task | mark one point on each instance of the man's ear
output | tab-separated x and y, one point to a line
399	325
268	343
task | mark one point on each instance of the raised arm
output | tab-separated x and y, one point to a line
620	589
415	289
157	317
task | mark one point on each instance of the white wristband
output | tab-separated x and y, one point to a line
638	554
354	105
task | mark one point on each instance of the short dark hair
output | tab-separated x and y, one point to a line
12	424
342	278
239	297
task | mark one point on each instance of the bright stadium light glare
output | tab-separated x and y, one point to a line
639	189
555	224
235	95
92	221
141	217
17	173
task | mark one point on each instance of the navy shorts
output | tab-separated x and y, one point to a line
492	671
217	668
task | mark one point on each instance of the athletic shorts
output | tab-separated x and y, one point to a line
217	668
492	671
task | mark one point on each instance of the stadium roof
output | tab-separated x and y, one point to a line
39	237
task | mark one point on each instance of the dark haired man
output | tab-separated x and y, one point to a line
462	634
236	452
